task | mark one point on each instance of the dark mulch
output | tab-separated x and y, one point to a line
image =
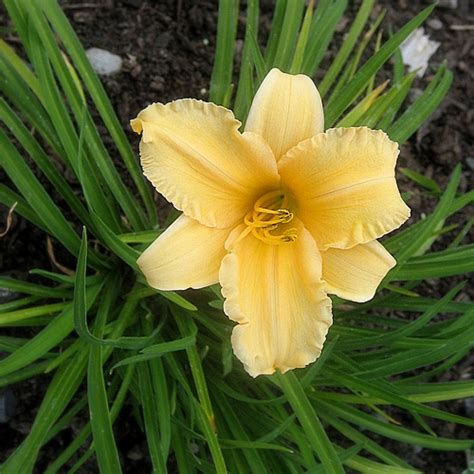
168	48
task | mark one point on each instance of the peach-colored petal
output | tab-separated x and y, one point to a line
276	295
344	185
354	274
195	156
286	110
187	255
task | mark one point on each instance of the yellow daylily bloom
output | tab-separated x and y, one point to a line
279	215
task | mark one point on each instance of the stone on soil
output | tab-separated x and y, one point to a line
417	50
104	62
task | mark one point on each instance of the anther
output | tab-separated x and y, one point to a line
290	235
286	215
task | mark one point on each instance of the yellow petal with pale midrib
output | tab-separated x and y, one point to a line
194	155
354	274
276	295
286	110
187	255
344	184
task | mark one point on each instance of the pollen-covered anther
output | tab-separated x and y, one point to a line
290	235
264	220
285	215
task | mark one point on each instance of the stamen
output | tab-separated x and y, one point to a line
286	215
290	235
269	211
252	219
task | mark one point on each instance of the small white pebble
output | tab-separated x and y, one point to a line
417	50
205	42
448	4
7	295
435	24
469	406
104	62
193	447
417	449
203	91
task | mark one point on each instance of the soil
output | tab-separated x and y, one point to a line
168	48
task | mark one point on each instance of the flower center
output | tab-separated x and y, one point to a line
266	221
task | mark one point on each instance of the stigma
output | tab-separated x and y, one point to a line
266	221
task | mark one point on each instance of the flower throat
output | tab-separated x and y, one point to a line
264	221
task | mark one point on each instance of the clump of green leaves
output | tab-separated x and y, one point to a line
109	341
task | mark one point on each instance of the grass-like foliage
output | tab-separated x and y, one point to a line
109	341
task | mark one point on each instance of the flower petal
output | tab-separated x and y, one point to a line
344	184
286	110
354	274
195	156
276	295
187	255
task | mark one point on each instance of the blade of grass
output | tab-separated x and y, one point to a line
399	433
158	350
288	34
254	459
101	424
421	109
80	310
63	387
427	183
352	66
362	108
369	445
347	46
84	434
433	266
13	86
17	303
151	421
358	83
204	407
112	242
35	289
302	39
71	42
72	139
49	337
221	78
33	148
245	90
10	317
20	67
418	241
106	452
25	373
9	198
404	87
322	30
275	31
310	422
390	101
92	138
261	68
34	193
386	391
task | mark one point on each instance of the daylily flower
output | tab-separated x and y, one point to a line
279	215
